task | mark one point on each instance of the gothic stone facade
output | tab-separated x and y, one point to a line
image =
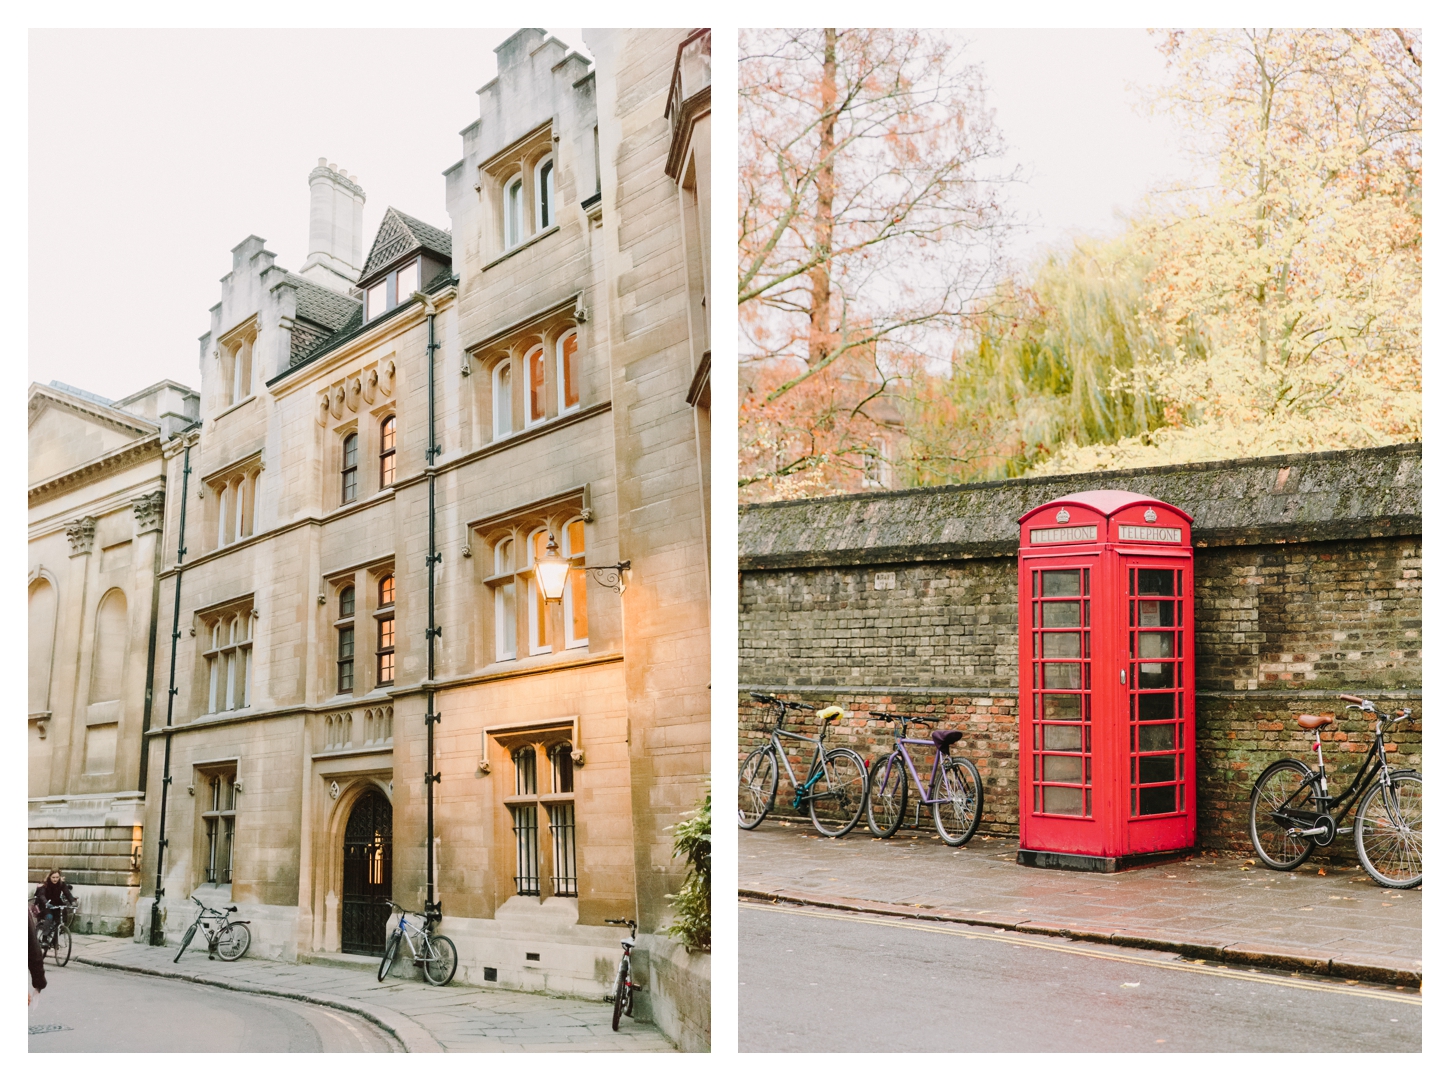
1306	578
566	389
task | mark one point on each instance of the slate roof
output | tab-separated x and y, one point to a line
58	385
320	305
401	233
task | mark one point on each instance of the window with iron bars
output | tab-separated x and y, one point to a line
562	872
221	826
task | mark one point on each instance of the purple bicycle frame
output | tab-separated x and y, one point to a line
900	748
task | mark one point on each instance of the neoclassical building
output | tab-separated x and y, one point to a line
392	440
96	496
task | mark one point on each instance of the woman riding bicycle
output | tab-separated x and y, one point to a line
51	894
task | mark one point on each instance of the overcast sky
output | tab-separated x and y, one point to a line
153	153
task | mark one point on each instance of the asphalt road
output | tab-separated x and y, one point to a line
103	1010
821	980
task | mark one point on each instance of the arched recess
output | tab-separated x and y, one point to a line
108	659
359	866
42	606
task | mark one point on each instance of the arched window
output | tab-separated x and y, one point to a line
503	400
388	456
526	822
537	402
108	660
505	603
568	350
576	592
349	468
229	662
544	193
222	520
538	607
386	593
513	212
42	643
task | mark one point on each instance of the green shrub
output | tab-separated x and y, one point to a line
692	903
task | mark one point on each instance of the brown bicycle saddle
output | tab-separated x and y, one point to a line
1312	721
945	737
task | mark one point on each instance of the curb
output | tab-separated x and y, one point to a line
1236	953
413	1036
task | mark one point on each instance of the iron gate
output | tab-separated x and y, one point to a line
367	874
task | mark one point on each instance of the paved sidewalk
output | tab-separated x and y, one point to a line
1338	923
423	1018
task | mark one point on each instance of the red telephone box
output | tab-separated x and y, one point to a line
1106	713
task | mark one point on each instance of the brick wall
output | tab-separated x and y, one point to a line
1307	579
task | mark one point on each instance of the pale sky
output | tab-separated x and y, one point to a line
1064	104
154	152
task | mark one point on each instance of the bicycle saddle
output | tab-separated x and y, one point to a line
831	713
1311	721
945	737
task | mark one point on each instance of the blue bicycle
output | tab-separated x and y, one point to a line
833	791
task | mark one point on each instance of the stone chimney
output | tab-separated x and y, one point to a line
334	228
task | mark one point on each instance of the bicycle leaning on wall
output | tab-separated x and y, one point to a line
833	791
1291	811
953	791
434	954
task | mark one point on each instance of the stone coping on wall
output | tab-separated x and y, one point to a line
1328	495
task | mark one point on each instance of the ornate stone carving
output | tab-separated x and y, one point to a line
82	535
335	790
148	509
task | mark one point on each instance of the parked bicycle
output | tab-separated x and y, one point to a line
833	791
225	937
1291	811
434	954
954	792
624	985
53	932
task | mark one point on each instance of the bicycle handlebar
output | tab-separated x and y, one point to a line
905	718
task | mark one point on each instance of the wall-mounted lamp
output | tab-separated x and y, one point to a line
552	571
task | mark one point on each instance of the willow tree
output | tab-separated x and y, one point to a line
1300	266
866	226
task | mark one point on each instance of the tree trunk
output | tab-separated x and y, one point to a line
821	337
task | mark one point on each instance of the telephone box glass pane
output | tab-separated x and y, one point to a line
1061	645
1157	769
1062	614
1155	674
1155	643
1062	801
1059	767
1060	584
1155	614
1156	737
1157	801
1155	583
1062	675
1061	707
1156	707
1062	737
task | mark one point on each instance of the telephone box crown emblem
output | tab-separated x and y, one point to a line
1150	515
1062	515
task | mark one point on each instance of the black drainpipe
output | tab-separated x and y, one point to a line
158	936
433	909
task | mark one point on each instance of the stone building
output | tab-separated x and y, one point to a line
96	492
551	346
1307	583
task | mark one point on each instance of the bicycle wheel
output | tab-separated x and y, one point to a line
1282	796
233	941
838	796
441	962
957	819
758	776
886	796
185	942
62	945
621	986
1387	831
388	955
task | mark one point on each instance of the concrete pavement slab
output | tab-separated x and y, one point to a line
421	1017
1335	920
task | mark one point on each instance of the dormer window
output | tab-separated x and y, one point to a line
397	288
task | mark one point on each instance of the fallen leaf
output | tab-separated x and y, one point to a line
1128	984
1322	871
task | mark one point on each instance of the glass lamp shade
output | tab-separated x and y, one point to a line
552	571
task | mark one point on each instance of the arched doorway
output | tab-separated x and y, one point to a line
367	874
